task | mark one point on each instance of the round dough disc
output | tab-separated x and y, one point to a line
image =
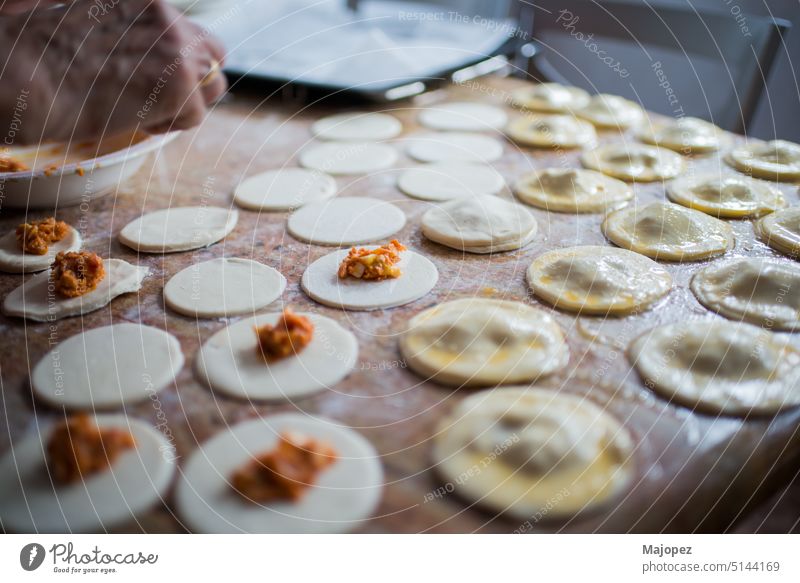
611	112
479	342
781	231
733	197
454	147
551	131
116	496
230	361
346	221
598	280
14	260
223	288
108	367
35	301
550	98
344	158
756	289
775	160
545	447
448	180
634	162
178	229
322	284
346	493
463	117
357	127
687	135
723	367
668	232
480	224
284	189
572	191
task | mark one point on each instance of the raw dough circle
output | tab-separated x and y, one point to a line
35	299
479	342
593	279
346	493
756	289
223	288
230	361
687	135
634	162
108	367
551	453
550	98
178	229
732	197
463	117
611	112
775	160
572	191
668	232
448	180
346	221
344	158
454	147
724	367
284	189
781	231
551	131
480	224
357	126
14	260
138	479
322	284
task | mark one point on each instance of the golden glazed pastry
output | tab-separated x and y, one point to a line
551	131
550	98
634	162
687	135
775	160
572	190
733	197
781	231
611	112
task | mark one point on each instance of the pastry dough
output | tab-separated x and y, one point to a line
550	98
448	180
345	158
538	452
480	342
230	362
283	189
551	131
781	231
357	126
115	497
775	160
687	135
731	197
757	289
480	224
348	220
454	147
463	117
13	260
178	229
668	232
598	280
223	287
723	367
634	162
611	112
572	191
35	300
108	367
346	493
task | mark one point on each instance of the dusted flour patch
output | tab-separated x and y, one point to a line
346	221
775	160
454	147
448	180
284	189
572	191
178	229
732	197
634	162
357	126
343	158
14	260
551	98
463	117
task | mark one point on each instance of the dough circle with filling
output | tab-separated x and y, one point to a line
687	135
550	98
346	158
448	180
781	231
284	189
732	197
572	191
551	131
14	260
357	127
346	220
611	112
775	160
454	147
634	162
178	229
463	117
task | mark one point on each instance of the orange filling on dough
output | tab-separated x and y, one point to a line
9	164
36	237
373	263
290	335
76	273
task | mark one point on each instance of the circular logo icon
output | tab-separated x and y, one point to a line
31	556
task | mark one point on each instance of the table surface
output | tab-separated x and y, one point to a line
694	472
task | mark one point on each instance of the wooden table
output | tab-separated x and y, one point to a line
694	472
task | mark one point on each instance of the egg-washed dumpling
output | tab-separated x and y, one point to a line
669	232
611	111
731	197
687	135
572	191
550	98
598	280
781	231
634	162
480	224
758	289
551	131
775	160
550	452
723	367
481	342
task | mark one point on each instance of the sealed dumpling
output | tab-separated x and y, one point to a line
551	131
726	196
550	98
781	231
634	162
687	135
775	160
611	112
572	190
